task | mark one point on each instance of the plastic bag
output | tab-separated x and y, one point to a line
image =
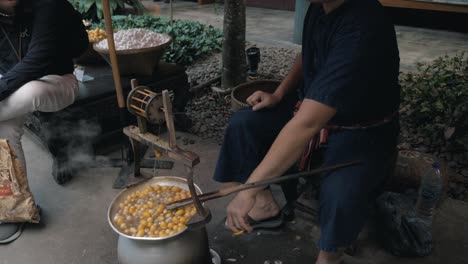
16	201
400	230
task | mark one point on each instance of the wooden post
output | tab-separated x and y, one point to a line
172	12
169	119
113	54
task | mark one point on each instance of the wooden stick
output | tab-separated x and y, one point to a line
227	191
140	118
136	108
143	93
169	118
150	92
134	83
113	54
139	100
172	12
199	87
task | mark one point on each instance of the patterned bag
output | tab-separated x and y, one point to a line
16	201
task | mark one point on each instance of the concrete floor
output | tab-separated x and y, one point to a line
275	27
75	229
74	226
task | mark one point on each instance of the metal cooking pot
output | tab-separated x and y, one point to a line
187	246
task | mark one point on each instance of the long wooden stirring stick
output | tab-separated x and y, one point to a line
226	191
113	54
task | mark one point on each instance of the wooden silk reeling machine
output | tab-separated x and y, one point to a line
156	108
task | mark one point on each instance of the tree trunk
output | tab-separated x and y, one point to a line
234	64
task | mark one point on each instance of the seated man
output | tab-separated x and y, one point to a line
349	70
38	40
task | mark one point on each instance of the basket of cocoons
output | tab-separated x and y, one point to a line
138	50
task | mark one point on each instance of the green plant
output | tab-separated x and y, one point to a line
435	100
92	9
191	39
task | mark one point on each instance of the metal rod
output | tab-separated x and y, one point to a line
227	191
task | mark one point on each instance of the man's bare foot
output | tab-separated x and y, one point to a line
265	206
329	257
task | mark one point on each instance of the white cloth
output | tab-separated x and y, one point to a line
51	93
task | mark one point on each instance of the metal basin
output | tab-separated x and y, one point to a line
187	246
159	180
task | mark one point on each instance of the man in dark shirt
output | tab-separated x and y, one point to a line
348	74
38	40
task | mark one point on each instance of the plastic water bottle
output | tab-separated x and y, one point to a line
429	192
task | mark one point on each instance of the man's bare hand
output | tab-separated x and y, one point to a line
237	211
260	100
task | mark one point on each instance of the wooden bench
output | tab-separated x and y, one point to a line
427	5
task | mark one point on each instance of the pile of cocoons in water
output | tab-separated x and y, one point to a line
143	214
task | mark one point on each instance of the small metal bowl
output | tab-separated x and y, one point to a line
159	180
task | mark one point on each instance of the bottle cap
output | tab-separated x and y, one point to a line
436	165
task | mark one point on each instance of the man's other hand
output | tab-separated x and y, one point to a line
260	100
237	211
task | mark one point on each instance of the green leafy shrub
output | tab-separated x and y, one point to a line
92	9
191	39
435	100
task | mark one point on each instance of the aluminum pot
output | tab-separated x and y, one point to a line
187	246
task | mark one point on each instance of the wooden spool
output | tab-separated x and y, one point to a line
147	104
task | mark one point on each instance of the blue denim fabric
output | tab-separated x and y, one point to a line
345	195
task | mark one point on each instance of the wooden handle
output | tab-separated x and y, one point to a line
169	118
172	13
227	191
113	54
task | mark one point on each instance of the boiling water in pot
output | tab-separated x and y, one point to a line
143	214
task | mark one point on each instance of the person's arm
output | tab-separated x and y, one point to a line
41	49
289	145
260	100
292	80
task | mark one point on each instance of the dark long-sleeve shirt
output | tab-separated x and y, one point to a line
51	33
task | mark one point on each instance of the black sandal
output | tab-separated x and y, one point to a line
269	223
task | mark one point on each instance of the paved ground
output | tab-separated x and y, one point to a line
275	27
75	229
